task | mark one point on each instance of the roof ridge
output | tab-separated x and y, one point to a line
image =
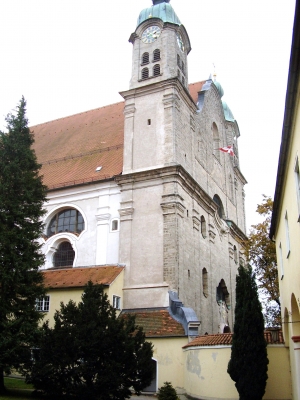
73	115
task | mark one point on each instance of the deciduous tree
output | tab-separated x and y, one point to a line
92	354
248	364
22	195
261	253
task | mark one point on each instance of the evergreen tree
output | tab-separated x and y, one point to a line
248	365
22	195
90	353
167	392
261	252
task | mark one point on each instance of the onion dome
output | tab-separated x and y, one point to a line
161	9
227	112
219	88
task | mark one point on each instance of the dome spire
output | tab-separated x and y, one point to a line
160	1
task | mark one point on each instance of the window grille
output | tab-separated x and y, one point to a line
145	73
145	58
64	256
156	55
156	70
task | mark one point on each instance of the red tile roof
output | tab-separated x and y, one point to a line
79	277
225	339
156	323
70	149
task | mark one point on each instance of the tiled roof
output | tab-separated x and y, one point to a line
156	323
79	277
70	149
223	339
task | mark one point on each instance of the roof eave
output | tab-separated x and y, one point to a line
289	113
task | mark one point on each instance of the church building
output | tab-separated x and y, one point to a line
149	189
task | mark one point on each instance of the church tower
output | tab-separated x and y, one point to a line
182	206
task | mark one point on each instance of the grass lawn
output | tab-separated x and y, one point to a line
17	389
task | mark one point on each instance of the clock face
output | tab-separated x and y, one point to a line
180	42
151	34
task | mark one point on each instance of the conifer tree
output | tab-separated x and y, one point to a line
22	195
90	353
248	365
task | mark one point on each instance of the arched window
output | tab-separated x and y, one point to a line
145	73
145	58
203	226
156	55
222	293
205	282
216	141
218	201
68	220
156	70
235	254
64	256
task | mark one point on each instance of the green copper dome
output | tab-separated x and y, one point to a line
227	112
219	88
161	9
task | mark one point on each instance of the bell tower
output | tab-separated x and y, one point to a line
160	46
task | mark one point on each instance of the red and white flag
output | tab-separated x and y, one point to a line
227	149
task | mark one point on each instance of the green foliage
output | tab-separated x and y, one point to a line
90	353
261	253
167	392
22	195
248	365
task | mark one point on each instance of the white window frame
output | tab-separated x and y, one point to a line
281	261
43	304
297	181
287	235
116	302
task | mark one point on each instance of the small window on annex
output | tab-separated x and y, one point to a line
219	203
145	58
64	256
117	302
43	304
69	220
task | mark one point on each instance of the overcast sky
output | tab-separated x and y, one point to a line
69	56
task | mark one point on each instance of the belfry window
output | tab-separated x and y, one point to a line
145	58
156	70
156	55
64	256
69	220
145	73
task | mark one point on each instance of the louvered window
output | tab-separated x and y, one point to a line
145	73
145	58
156	70
178	61
156	55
